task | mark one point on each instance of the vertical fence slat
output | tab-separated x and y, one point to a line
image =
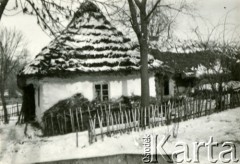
124	119
71	119
78	125
81	118
100	124
52	124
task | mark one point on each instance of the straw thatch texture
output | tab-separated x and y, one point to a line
89	44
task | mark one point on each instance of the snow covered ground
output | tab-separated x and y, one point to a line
15	147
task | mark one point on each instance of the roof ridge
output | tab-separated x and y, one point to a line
88	6
89	36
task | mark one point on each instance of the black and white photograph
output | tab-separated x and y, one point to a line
119	81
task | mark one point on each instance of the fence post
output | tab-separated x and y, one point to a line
134	118
166	113
58	123
178	112
65	122
72	120
161	115
230	99
154	110
206	106
78	125
130	120
107	119
112	121
139	118
17	109
189	110
90	131
52	124
195	111
210	109
201	105
116	121
94	128
175	110
127	121
192	106
76	138
100	124
119	121
145	117
81	117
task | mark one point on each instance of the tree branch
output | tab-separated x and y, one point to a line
133	12
153	9
41	18
3	4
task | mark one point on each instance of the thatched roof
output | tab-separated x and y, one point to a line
189	64
184	61
89	44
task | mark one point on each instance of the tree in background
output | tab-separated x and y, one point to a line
12	80
221	44
144	17
11	50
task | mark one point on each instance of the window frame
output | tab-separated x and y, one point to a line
101	91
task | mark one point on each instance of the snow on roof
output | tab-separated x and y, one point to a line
175	45
201	70
89	44
235	85
194	64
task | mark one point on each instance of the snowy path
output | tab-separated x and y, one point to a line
8	134
16	148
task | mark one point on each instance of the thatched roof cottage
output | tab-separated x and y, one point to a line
193	63
90	57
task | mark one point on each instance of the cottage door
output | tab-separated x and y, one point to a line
29	103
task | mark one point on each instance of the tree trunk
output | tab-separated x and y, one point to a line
3	4
144	74
143	40
4	106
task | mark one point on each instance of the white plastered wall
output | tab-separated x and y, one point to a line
52	90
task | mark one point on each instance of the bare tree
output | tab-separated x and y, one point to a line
149	19
223	54
142	16
11	48
12	87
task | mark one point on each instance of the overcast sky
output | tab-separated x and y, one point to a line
212	11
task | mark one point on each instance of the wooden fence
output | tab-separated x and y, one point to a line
110	122
13	110
73	119
110	118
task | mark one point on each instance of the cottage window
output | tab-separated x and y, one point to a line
101	91
166	87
